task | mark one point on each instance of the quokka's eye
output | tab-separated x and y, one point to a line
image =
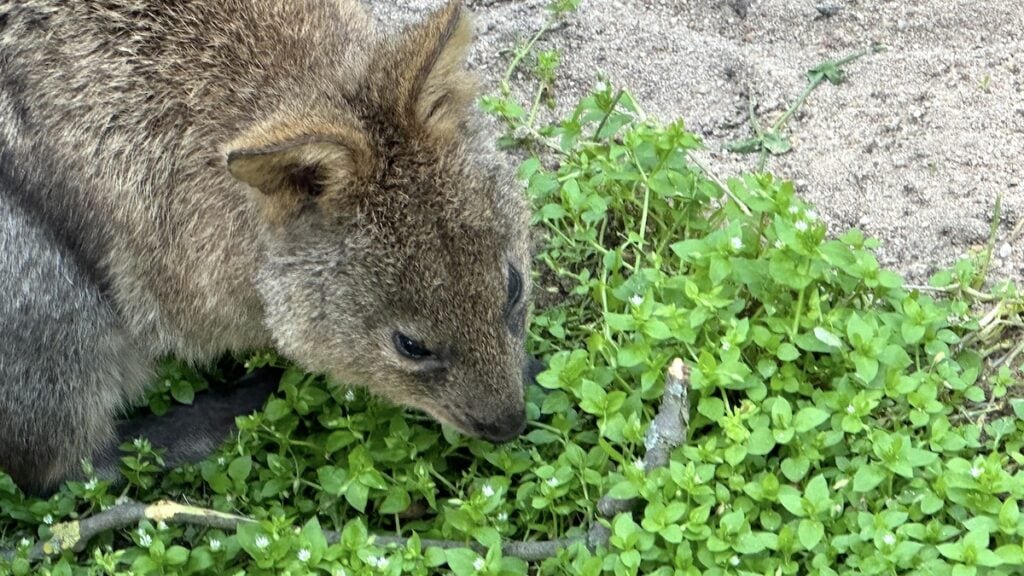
515	286
410	348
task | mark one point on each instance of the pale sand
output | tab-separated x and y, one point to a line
913	148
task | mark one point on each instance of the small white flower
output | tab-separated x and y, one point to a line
811	215
161	525
487	491
976	471
800	225
837	508
24	543
478	564
639	464
303	555
221	461
850	409
778	244
552	481
262	542
378	561
735	560
145	540
889	539
636	299
726	345
91	484
48	519
502	516
794	209
141	532
137	443
214	544
736	242
350	396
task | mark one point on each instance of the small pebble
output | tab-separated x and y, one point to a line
828	9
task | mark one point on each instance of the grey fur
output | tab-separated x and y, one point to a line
198	177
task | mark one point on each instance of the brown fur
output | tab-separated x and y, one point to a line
236	174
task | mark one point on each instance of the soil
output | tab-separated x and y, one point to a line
913	148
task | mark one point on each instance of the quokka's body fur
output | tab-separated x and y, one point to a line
191	178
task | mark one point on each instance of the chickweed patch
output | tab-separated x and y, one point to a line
843	421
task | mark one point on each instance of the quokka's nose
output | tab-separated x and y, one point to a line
503	429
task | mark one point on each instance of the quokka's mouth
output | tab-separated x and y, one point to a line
504	428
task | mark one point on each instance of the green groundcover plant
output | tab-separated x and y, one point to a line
842	422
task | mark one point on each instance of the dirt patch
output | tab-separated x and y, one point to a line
913	148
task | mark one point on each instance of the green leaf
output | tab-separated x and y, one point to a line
182	391
711	408
747	146
332	480
795	468
356	495
247	533
809	418
760	442
826	71
396	501
240	468
657	329
176	555
434	557
1009	516
918	458
787	352
810	533
867	368
790	499
461	561
868	477
624	490
817	490
859	331
828	338
632	355
315	540
276	409
776	143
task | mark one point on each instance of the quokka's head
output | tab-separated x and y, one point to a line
397	251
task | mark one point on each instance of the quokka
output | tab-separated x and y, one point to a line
192	178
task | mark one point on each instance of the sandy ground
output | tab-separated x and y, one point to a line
913	148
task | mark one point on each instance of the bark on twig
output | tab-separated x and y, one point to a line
666	432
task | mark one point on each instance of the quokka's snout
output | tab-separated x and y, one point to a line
509	423
501	428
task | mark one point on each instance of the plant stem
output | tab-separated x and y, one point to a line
799	312
520	54
991	245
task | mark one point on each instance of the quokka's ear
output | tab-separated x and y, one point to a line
295	162
300	167
434	87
